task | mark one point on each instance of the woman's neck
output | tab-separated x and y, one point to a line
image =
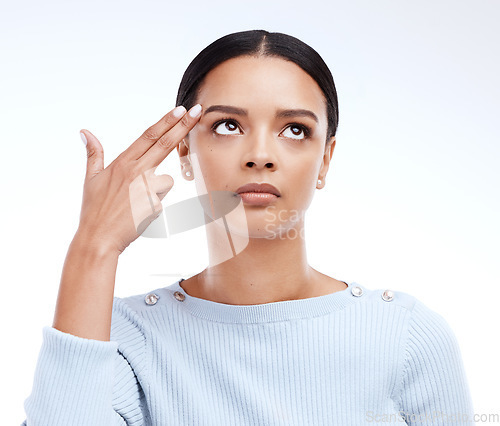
265	271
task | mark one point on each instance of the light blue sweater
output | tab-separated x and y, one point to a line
340	359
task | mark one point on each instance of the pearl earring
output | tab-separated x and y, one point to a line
319	181
188	173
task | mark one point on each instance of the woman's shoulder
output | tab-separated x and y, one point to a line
386	297
129	321
138	309
140	303
424	324
420	317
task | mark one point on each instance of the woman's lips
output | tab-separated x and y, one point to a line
257	198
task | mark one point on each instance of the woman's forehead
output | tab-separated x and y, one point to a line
261	81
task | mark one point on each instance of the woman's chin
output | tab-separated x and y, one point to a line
255	227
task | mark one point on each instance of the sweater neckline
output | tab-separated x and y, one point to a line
265	312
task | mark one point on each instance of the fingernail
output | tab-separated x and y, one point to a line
178	111
84	139
195	111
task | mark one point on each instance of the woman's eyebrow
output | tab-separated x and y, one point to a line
282	113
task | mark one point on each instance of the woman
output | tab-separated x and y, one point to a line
259	336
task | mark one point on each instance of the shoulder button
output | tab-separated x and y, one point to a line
179	296
151	299
357	291
388	295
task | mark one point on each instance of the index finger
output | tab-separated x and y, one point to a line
166	144
153	133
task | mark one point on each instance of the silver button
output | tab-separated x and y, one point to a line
357	291
151	299
388	295
179	296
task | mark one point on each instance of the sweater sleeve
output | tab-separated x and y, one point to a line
81	381
435	389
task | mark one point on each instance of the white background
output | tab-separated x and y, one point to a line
411	201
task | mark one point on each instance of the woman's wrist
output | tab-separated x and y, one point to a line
93	245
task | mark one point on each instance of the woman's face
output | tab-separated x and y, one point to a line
250	133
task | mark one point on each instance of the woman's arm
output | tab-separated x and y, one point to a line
82	381
435	390
85	299
75	374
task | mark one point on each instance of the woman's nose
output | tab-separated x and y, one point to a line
260	164
261	152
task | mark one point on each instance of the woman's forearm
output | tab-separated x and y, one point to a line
85	299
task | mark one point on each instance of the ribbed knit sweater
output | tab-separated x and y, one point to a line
351	357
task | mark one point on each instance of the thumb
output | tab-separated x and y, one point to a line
95	154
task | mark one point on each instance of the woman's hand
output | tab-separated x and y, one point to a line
120	201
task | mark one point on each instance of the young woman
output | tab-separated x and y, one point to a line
259	336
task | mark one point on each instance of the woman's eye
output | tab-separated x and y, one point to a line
226	127
230	127
295	132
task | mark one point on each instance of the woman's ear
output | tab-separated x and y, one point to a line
330	146
327	156
186	166
183	148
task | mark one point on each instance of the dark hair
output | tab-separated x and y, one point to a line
260	43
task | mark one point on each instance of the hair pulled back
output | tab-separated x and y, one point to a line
260	43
